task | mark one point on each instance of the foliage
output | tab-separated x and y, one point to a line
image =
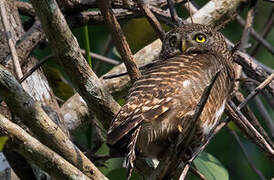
3	140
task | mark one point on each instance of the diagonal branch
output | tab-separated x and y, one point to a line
119	39
4	17
257	90
174	16
38	153
254	70
172	161
68	53
251	164
151	18
249	130
197	113
248	26
257	36
267	29
32	115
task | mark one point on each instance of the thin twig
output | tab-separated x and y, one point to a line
249	130
151	18
44	60
272	1
265	116
119	39
173	12
238	99
257	36
253	69
4	17
257	90
102	58
267	29
108	44
35	67
197	173
184	172
163	167
248	26
251	164
204	97
261	108
197	113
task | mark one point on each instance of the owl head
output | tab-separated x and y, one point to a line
193	38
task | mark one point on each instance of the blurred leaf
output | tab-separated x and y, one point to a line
121	101
210	167
111	165
60	86
3	140
233	126
140	33
121	173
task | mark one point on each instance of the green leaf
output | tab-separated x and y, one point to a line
87	44
210	167
121	101
3	140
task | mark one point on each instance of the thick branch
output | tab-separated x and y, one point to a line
213	11
39	154
67	51
32	114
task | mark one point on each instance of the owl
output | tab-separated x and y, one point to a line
161	104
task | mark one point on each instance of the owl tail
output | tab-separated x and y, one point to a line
131	156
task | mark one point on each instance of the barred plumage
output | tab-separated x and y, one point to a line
163	101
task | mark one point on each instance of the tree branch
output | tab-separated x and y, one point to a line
119	39
32	115
4	17
249	130
67	51
39	154
251	164
151	18
253	69
257	90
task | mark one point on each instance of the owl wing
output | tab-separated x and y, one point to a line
142	105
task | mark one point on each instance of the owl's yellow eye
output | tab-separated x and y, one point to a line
200	38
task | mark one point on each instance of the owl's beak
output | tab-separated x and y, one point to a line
183	45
